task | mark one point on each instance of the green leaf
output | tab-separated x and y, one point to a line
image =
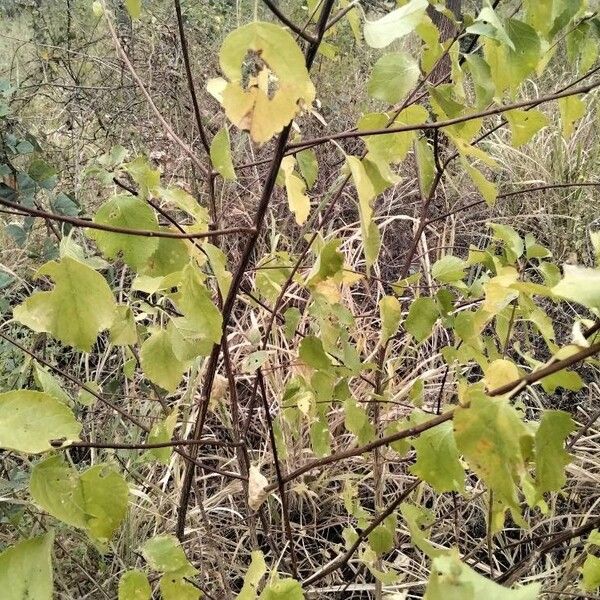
438	459
329	263
220	154
393	77
311	353
132	213
164	554
572	108
581	285
255	360
134	8
451	579
30	420
381	539
134	585
195	302
550	455
95	500
524	124
253	575
163	432
394	25
513	244
390	313
422	315
489	25
218	264
491	436
357	422
50	384
309	167
123	331
79	307
448	269
147	178
282	589
26	569
419	520
482	79
252	105
159	362
591	573
298	201
425	165
173	587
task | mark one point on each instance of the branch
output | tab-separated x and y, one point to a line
289	23
447	123
77	222
58	444
512	387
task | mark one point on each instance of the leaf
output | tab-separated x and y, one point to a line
581	285
26	569
132	213
419	520
438	460
482	79
591	573
394	25
163	432
195	302
422	315
487	189
257	484
425	165
220	154
488	24
572	108
123	331
390	313
50	384
142	172
159	362
524	124
173	587
448	269
500	372
164	554
451	579
282	589
255	360
550	455
357	422
491	436
309	167
393	77
171	256
218	264
80	306
95	500
311	352
298	201
30	420
134	8
257	107
381	539
253	575
134	585
511	240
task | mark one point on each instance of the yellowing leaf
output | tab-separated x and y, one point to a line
26	569
134	8
95	500
123	331
487	189
448	269
30	420
581	285
550	455
164	553
282	589
591	573
163	432
159	362
500	372
394	25
390	312
422	315
451	579
572	108
393	77
257	484
253	575
132	213
298	201
524	124
174	587
76	310
220	154
134	585
309	167
278	82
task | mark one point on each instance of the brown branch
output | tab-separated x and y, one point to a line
447	123
288	22
78	222
58	444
